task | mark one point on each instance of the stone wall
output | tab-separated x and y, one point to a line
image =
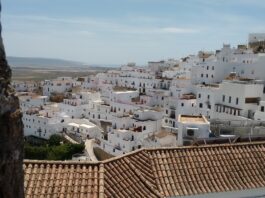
11	134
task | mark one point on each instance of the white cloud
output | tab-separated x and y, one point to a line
91	25
179	30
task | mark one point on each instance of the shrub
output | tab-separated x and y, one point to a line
55	140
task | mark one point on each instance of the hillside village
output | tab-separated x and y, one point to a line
211	96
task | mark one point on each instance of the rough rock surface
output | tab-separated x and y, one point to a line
11	134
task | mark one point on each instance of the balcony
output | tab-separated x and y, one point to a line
220	108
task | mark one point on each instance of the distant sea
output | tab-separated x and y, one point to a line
50	63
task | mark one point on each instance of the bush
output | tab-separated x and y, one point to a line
35	152
53	150
55	140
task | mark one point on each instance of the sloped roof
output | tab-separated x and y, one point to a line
160	172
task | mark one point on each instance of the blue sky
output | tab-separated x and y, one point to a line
121	31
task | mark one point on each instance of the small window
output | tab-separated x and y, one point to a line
262	108
206	75
144	128
237	101
208	97
202	75
182	104
212	67
199	95
207	67
190	132
223	98
200	105
230	99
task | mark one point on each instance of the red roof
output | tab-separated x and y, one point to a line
152	173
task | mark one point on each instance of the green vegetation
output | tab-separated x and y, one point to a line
56	148
55	140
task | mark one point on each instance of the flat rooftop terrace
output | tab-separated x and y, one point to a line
192	119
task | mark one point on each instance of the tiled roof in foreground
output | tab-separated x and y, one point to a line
163	172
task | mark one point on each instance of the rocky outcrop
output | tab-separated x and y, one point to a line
11	134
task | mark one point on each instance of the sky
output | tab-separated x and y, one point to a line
120	31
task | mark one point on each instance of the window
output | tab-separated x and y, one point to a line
208	97
182	104
230	99
212	67
237	101
190	132
207	67
209	107
212	75
262	108
223	98
199	95
144	128
202	75
200	105
206	75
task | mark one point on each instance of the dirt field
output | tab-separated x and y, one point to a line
43	74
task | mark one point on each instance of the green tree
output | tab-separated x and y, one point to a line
55	140
35	152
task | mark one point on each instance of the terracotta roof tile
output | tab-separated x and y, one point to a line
152	173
